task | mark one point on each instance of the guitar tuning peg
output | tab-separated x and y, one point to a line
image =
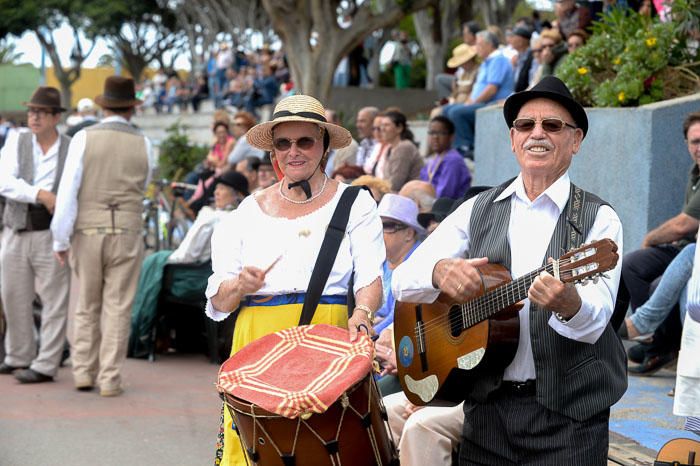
595	280
605	275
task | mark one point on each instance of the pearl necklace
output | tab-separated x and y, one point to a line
305	201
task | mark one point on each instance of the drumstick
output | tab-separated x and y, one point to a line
273	264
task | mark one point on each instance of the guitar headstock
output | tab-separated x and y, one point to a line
588	261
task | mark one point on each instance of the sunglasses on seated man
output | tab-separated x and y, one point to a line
550	125
393	227
303	143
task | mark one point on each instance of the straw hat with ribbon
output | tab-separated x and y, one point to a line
460	55
297	108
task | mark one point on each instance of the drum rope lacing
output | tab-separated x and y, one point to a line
345	403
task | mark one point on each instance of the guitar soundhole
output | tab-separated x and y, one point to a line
456	322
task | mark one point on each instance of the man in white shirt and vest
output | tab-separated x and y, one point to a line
551	402
31	164
99	219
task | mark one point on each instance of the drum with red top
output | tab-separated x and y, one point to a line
306	396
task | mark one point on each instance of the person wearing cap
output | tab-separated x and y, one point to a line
31	164
249	168
265	268
444	167
551	405
465	59
87	114
494	82
441	207
402	235
266	173
444	83
98	218
229	190
524	71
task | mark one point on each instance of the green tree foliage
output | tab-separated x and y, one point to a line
140	31
8	55
42	17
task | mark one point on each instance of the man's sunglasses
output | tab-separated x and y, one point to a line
550	125
392	227
303	143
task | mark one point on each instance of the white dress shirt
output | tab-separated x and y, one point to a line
15	188
530	230
250	237
196	246
67	197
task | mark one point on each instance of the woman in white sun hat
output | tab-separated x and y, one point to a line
264	253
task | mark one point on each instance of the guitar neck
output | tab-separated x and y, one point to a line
485	306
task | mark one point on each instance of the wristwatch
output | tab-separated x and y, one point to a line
366	310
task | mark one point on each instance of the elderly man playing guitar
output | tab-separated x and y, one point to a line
542	395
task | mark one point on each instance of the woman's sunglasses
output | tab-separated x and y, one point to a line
550	125
303	143
393	227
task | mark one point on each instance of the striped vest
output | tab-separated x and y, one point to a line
15	213
574	378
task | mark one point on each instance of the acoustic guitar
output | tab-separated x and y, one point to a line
679	452
443	346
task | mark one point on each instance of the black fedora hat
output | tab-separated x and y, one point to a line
234	180
119	92
46	97
551	88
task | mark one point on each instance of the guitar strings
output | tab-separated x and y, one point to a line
482	307
483	303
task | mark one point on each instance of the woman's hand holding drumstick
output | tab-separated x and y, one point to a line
232	291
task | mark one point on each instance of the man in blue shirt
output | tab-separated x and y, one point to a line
494	82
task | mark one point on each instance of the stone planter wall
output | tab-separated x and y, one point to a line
634	158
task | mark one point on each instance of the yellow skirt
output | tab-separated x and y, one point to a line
255	322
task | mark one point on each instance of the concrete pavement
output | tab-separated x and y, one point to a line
168	415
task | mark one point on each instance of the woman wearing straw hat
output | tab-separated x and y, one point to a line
263	255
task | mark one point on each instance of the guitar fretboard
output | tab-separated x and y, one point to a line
483	307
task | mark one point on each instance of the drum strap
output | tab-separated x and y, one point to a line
329	250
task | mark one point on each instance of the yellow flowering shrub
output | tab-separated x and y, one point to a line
630	60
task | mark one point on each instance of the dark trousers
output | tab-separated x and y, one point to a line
642	270
517	430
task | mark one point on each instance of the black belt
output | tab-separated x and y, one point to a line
526	388
38	219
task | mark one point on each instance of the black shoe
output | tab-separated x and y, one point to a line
7	369
652	364
637	353
31	376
